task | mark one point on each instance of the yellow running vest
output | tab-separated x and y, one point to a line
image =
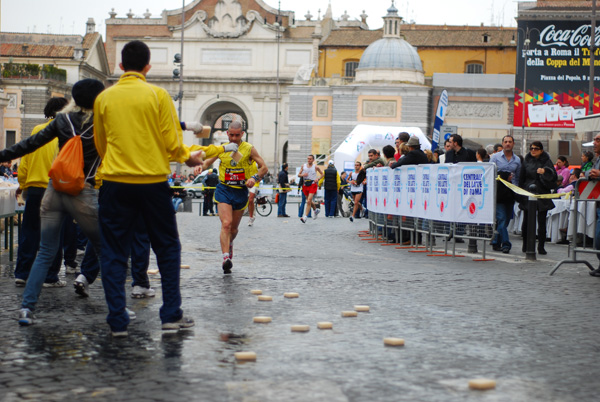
234	174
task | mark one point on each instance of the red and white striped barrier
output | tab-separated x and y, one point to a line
588	190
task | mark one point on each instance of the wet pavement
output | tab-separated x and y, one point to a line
507	320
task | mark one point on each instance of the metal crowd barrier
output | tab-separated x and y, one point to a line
422	234
585	191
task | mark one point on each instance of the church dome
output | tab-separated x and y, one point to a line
391	58
391	53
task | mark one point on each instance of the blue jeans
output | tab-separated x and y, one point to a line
140	258
330	202
55	205
120	206
69	239
176	203
504	213
301	207
281	204
29	238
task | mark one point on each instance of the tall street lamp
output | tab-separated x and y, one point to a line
277	88
592	66
526	42
178	73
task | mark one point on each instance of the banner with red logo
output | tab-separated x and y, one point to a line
553	73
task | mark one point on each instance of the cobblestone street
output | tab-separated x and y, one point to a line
507	319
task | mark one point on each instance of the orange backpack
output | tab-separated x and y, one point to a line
67	169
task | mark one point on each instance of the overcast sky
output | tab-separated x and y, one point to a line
70	16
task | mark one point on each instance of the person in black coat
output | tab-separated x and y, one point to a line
538	176
210	183
284	185
458	153
414	157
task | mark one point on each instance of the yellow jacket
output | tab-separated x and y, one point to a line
34	167
137	131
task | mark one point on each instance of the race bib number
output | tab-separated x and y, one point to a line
235	177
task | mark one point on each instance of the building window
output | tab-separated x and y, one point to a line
564	147
11	137
486	38
474	68
350	68
322	108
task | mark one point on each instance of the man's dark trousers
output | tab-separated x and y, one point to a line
330	202
120	205
208	202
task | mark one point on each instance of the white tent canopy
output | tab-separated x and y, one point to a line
588	123
363	136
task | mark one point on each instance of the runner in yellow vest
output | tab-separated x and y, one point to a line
235	178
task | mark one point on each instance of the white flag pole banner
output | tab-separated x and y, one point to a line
451	193
475	192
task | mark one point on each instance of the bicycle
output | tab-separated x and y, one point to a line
262	205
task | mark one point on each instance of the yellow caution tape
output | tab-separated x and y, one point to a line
520	191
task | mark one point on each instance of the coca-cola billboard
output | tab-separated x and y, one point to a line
558	73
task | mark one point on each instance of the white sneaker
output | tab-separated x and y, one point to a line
316	212
140	292
69	270
131	314
81	286
57	284
251	221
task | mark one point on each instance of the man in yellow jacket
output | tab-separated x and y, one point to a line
137	133
33	180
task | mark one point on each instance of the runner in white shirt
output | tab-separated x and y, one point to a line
309	188
356	189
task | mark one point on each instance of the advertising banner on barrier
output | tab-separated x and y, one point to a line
371	197
475	185
424	194
409	175
441	190
451	193
385	175
396	202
